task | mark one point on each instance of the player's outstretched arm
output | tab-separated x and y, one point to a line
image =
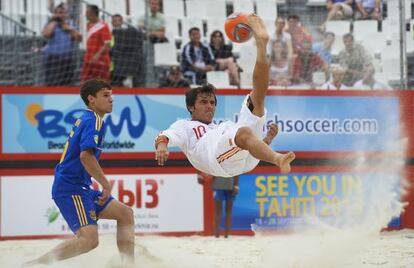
93	168
161	149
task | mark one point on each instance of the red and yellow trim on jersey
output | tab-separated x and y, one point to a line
98	122
228	154
80	210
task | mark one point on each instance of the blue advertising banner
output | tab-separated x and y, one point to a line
268	201
35	123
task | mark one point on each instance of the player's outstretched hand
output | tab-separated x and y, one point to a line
259	29
272	130
161	154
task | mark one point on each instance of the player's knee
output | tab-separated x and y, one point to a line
243	136
87	244
126	215
93	243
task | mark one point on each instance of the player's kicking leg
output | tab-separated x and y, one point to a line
247	140
245	137
261	68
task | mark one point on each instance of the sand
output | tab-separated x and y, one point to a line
334	248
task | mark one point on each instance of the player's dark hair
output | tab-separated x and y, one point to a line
191	95
95	9
91	87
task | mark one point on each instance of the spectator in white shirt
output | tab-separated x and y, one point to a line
336	82
368	81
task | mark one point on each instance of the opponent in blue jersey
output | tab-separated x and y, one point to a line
80	205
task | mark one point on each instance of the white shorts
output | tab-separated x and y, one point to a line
233	160
346	10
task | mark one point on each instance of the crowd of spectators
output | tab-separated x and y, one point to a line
297	61
295	58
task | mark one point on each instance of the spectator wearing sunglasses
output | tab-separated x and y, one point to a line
224	58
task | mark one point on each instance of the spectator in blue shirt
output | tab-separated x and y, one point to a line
61	43
197	58
324	48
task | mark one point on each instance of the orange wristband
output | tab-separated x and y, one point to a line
159	139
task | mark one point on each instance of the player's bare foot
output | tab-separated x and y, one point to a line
259	29
284	162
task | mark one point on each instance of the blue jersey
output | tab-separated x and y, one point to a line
70	175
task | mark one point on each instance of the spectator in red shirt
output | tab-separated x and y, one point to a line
298	33
96	62
306	63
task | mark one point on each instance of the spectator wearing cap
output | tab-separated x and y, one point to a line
174	79
62	39
197	58
154	23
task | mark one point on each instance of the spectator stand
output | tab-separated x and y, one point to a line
210	15
17	60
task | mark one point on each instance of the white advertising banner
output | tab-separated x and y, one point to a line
161	203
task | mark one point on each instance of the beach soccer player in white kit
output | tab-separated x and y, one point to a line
227	149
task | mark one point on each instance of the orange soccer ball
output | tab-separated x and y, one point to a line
236	27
